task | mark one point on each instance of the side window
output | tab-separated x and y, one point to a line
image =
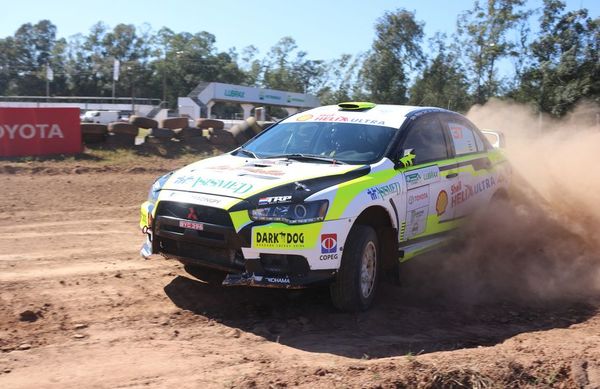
426	138
463	139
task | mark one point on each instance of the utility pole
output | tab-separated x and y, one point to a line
49	77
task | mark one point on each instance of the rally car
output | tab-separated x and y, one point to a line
338	194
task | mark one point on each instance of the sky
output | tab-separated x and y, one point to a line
325	29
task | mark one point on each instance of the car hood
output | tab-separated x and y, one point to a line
242	178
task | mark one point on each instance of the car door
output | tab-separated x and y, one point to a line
428	189
474	180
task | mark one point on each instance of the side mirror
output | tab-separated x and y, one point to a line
404	159
495	137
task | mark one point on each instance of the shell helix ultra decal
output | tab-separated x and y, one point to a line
284	237
441	203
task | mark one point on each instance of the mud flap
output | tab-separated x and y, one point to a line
146	250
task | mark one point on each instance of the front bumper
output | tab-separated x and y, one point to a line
215	243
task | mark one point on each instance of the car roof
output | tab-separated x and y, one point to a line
380	114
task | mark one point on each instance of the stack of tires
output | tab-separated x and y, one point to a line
92	133
213	130
121	134
183	132
156	135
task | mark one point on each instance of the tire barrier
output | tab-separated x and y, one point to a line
162	133
221	138
174	123
188	132
253	124
123	128
120	140
210	123
143	122
93	133
92	128
239	133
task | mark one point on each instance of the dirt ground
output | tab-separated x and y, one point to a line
80	308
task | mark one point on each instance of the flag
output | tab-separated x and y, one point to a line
116	70
49	73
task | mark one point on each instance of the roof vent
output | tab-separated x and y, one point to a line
356	106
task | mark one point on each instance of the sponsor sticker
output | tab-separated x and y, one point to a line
197	182
328	243
274	200
420	177
417	198
441	203
463	192
383	191
328	247
303	118
287	240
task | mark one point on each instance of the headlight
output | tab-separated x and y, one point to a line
157	186
310	212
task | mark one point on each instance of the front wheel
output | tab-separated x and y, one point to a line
356	282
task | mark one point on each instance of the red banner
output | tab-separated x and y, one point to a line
39	131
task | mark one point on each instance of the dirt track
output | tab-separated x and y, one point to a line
80	308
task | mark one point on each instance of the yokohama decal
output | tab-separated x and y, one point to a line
39	131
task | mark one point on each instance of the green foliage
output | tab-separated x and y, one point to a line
566	65
554	69
396	50
484	32
442	83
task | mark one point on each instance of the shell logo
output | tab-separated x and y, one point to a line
303	118
441	203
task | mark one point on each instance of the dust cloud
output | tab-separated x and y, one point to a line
543	245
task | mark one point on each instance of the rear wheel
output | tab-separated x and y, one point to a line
356	283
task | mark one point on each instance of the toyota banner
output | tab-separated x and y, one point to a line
39	131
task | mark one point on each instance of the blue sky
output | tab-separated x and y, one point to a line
325	29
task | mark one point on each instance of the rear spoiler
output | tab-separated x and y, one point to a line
495	137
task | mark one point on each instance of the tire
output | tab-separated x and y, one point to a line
143	122
210	276
188	132
238	134
93	138
92	128
120	140
162	133
222	138
149	139
210	123
174	123
356	282
253	124
123	128
265	125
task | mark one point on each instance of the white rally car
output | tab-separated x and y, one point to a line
337	194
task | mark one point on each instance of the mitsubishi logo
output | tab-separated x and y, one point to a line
192	214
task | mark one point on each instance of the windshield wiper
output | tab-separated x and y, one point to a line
247	152
308	157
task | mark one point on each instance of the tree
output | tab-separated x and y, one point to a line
395	52
341	79
286	68
31	47
566	64
484	39
442	83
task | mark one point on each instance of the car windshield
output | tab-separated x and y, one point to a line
350	143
